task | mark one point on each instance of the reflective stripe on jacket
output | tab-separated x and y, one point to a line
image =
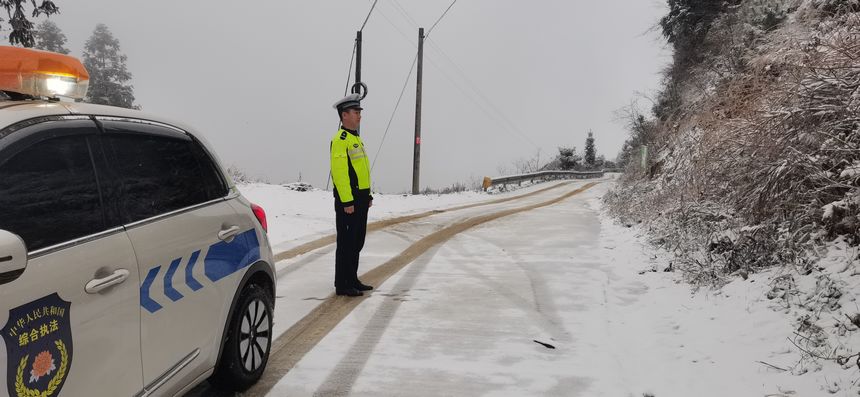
350	168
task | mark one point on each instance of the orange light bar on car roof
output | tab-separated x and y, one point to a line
41	73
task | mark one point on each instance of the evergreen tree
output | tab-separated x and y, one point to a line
688	21
590	151
108	75
22	28
49	37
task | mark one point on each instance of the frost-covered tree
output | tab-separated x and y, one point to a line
567	157
49	37
688	21
590	150
109	78
604	163
642	132
22	28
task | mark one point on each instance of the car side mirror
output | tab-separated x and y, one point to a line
13	256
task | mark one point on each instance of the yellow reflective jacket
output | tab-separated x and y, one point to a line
350	168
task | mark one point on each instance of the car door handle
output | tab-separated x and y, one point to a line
228	234
100	284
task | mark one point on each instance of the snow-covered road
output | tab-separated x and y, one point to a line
548	301
463	318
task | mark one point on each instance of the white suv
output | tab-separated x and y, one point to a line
130	265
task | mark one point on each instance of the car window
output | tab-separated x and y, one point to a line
49	193
157	171
212	180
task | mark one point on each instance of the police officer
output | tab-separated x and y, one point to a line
350	173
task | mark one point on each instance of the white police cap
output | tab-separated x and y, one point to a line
348	102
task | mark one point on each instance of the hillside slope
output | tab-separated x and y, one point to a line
749	160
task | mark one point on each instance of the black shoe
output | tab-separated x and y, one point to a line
348	292
363	287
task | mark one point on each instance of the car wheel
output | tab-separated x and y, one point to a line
248	342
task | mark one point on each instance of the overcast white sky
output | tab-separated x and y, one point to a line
502	78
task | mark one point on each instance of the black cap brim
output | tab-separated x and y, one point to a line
352	106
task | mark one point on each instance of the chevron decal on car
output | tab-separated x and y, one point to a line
169	291
145	301
190	281
222	259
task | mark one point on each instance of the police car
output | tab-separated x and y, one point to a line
130	265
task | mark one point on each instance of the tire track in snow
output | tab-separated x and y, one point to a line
541	310
316	255
312	257
289	348
340	380
400	234
378	225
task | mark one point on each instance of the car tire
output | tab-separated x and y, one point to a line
249	340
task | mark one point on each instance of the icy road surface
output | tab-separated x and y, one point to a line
547	301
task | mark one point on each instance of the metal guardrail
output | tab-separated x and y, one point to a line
541	176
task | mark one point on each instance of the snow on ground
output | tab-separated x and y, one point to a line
295	215
679	342
647	335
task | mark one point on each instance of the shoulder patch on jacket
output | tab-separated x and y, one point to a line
343	135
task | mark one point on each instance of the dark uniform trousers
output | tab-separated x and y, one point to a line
351	229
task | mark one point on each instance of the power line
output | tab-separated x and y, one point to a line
349	74
510	126
482	107
355	46
368	15
402	34
345	90
402	91
404	12
440	18
472	85
478	91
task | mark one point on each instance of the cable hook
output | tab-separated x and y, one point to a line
356	89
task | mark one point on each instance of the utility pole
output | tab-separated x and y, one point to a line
355	88
416	158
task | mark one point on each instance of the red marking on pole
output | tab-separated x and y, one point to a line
418	140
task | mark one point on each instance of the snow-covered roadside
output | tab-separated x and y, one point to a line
736	341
